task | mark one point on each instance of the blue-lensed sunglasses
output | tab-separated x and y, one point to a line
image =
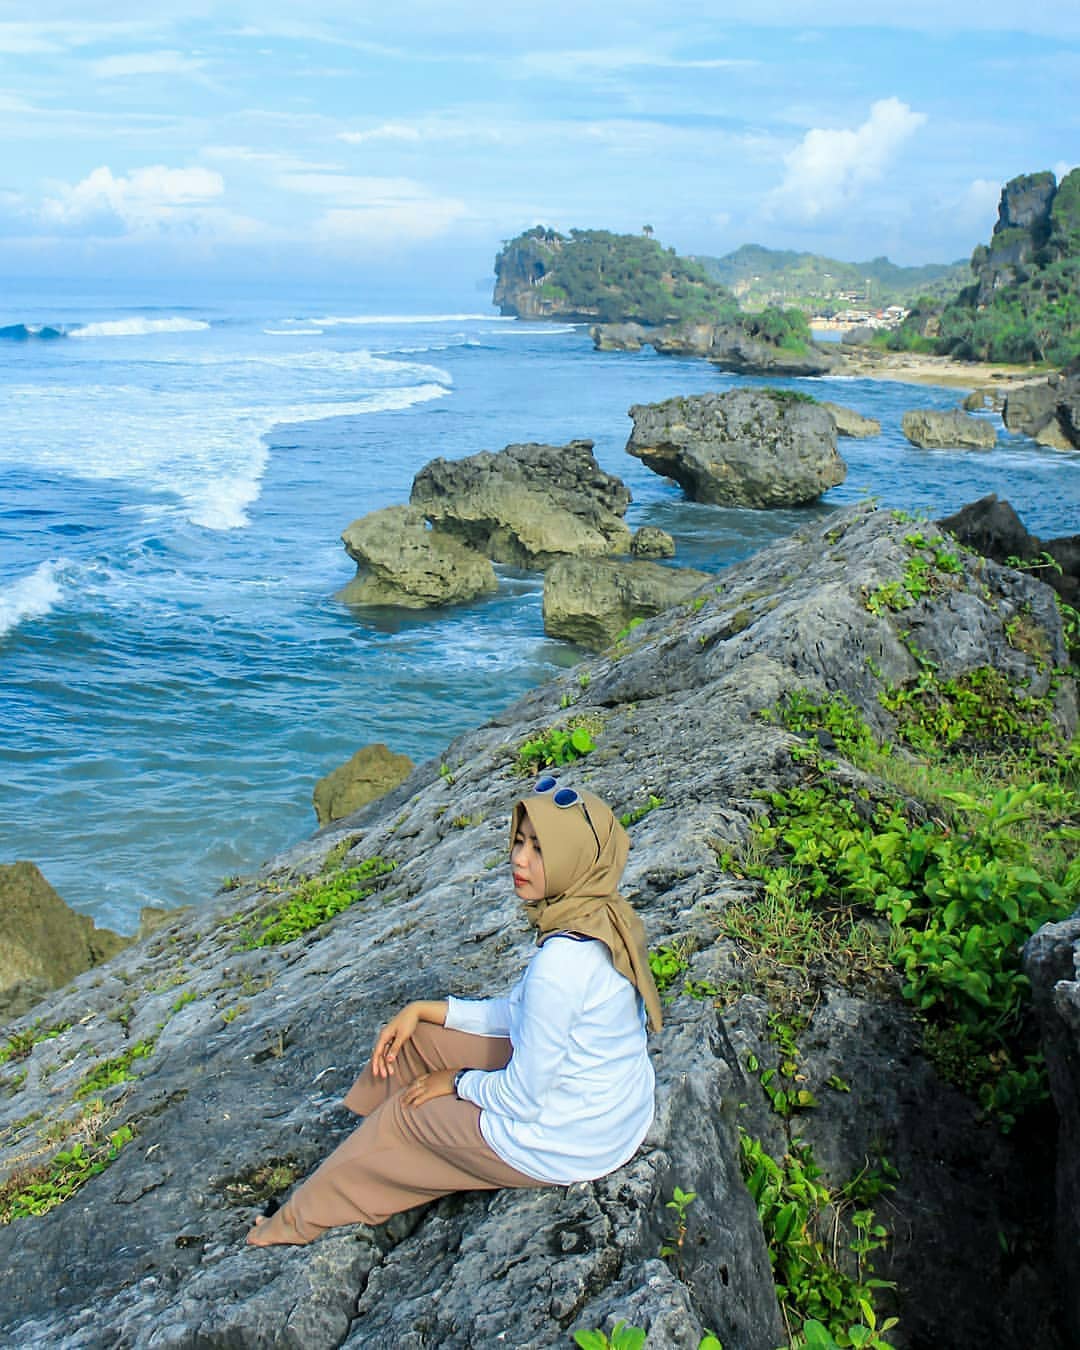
564	797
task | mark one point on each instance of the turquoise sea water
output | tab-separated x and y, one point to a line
175	472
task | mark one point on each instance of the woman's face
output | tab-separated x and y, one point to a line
526	863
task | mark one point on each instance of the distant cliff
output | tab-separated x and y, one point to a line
1023	303
594	276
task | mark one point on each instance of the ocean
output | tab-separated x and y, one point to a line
176	468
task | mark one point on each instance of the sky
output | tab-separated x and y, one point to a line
344	138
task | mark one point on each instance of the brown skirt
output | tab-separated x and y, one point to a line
402	1156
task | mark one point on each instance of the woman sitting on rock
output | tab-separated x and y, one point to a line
546	1086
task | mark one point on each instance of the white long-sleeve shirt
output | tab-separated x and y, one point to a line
576	1098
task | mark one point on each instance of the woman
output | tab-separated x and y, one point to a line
547	1086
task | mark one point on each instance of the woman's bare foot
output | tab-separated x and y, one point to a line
273	1232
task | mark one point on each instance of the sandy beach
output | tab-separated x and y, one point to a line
918	368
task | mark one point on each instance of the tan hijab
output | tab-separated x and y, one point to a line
580	887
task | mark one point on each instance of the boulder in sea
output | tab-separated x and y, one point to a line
726	345
43	942
528	504
1047	410
400	561
750	447
951	430
590	601
372	772
851	423
651	542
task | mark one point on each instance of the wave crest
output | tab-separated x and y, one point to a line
30	597
137	327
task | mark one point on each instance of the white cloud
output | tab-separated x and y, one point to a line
375	211
145	199
829	168
389	131
271	160
1062	169
133	64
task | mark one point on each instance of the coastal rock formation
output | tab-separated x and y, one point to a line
590	601
527	505
1049	410
246	1049
749	447
851	423
43	942
650	542
619	337
400	561
993	528
727	345
952	430
371	773
1052	964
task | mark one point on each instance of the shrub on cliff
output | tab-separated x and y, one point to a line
1024	301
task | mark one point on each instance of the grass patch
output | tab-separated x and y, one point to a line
20	1043
316	901
112	1071
35	1191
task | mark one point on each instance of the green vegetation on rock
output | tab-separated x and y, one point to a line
316	901
612	278
37	1190
1023	303
962	887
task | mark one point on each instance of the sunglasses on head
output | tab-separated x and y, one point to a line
566	797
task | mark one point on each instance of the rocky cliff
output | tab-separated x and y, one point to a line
855	665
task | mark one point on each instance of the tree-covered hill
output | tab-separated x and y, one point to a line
1023	302
598	276
762	276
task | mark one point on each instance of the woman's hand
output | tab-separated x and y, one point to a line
438	1083
399	1030
392	1037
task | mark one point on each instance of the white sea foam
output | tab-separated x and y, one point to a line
137	327
30	597
208	455
293	332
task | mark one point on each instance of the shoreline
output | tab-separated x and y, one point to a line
921	368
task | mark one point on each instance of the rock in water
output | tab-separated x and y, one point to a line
749	447
850	423
402	562
651	542
371	773
43	942
590	601
527	505
952	430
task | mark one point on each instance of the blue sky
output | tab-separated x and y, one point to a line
355	140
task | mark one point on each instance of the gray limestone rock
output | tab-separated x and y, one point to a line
951	430
1052	963
527	505
590	601
400	561
373	771
651	542
851	423
750	447
250	1048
